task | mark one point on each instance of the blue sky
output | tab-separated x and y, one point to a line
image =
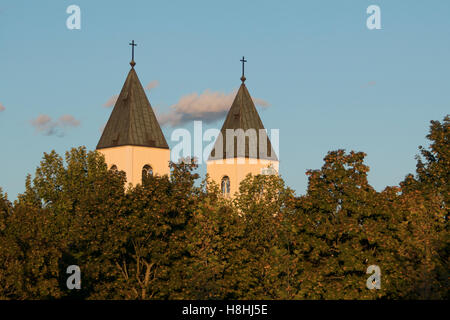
330	81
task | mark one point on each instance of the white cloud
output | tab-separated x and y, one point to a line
208	106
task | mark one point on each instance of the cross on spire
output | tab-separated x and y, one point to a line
243	62
132	44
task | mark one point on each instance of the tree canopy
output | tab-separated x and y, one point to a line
173	238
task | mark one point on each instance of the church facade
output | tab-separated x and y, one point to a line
133	141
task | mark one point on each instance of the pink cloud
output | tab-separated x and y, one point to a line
151	85
68	120
45	125
369	84
111	101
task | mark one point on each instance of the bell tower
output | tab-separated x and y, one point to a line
132	140
242	146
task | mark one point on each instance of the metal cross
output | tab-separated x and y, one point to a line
132	44
243	62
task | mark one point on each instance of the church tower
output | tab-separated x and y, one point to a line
242	146
132	140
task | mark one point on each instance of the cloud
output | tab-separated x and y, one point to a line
260	102
152	84
2	107
41	122
208	106
369	84
68	120
45	125
111	101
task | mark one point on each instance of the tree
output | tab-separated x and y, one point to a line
155	248
335	225
433	166
169	238
264	204
214	242
65	217
426	198
29	254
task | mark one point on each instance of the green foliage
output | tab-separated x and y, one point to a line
170	238
336	223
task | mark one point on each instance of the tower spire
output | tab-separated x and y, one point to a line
132	121
132	44
243	62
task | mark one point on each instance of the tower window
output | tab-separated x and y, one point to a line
225	185
147	171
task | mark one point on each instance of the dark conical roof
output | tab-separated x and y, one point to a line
132	121
242	115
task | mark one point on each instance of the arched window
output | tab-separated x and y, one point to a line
147	171
114	167
225	185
